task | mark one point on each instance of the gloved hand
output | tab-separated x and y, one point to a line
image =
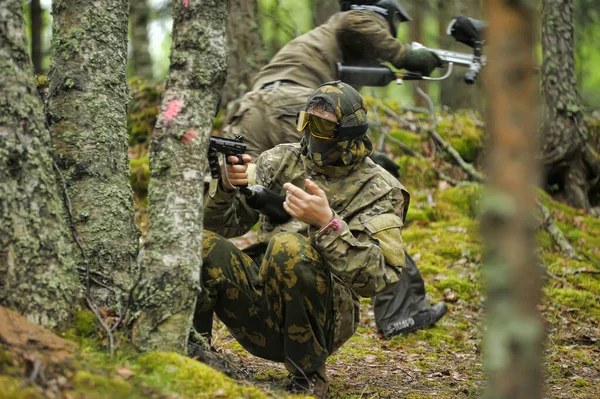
421	60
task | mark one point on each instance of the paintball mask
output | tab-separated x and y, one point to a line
350	111
342	141
391	10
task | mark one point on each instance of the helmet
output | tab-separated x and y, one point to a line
391	10
348	105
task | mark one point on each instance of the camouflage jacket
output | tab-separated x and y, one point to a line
366	254
352	37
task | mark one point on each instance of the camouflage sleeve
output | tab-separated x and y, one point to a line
368	255
366	36
226	213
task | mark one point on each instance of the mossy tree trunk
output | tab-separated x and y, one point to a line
87	109
246	52
514	333
173	257
141	63
38	277
455	93
566	157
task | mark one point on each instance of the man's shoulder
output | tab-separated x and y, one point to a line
277	153
360	17
380	175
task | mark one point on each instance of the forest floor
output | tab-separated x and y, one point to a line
442	234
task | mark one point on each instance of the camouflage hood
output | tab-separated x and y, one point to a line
351	112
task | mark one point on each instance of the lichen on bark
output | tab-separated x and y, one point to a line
172	258
87	110
37	275
565	153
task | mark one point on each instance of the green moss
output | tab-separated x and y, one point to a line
416	173
411	139
5	359
140	176
581	300
11	389
188	377
85	323
580	382
456	201
461	131
94	386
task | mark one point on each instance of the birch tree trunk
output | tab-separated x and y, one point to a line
173	257
514	333
87	110
141	63
564	148
246	52
38	277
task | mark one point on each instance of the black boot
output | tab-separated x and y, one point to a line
420	321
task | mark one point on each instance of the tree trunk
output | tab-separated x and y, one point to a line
455	93
38	278
564	132
415	33
323	9
37	52
141	62
246	54
173	258
88	102
514	333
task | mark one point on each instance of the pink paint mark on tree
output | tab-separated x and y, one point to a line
189	136
186	3
172	111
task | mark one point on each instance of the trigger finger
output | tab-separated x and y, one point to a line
233	160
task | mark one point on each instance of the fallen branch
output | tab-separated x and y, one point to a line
556	234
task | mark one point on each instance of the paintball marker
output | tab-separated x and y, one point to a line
258	197
463	29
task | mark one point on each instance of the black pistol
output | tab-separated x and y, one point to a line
258	197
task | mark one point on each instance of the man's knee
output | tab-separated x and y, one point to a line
292	262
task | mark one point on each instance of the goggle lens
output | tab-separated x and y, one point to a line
319	127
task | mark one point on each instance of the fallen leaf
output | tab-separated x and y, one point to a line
125	373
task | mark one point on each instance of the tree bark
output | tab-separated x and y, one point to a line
564	133
139	13
173	258
246	53
455	93
514	333
36	23
88	103
38	277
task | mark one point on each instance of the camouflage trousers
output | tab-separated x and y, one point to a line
280	310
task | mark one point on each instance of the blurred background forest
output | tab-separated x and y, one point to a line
279	21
